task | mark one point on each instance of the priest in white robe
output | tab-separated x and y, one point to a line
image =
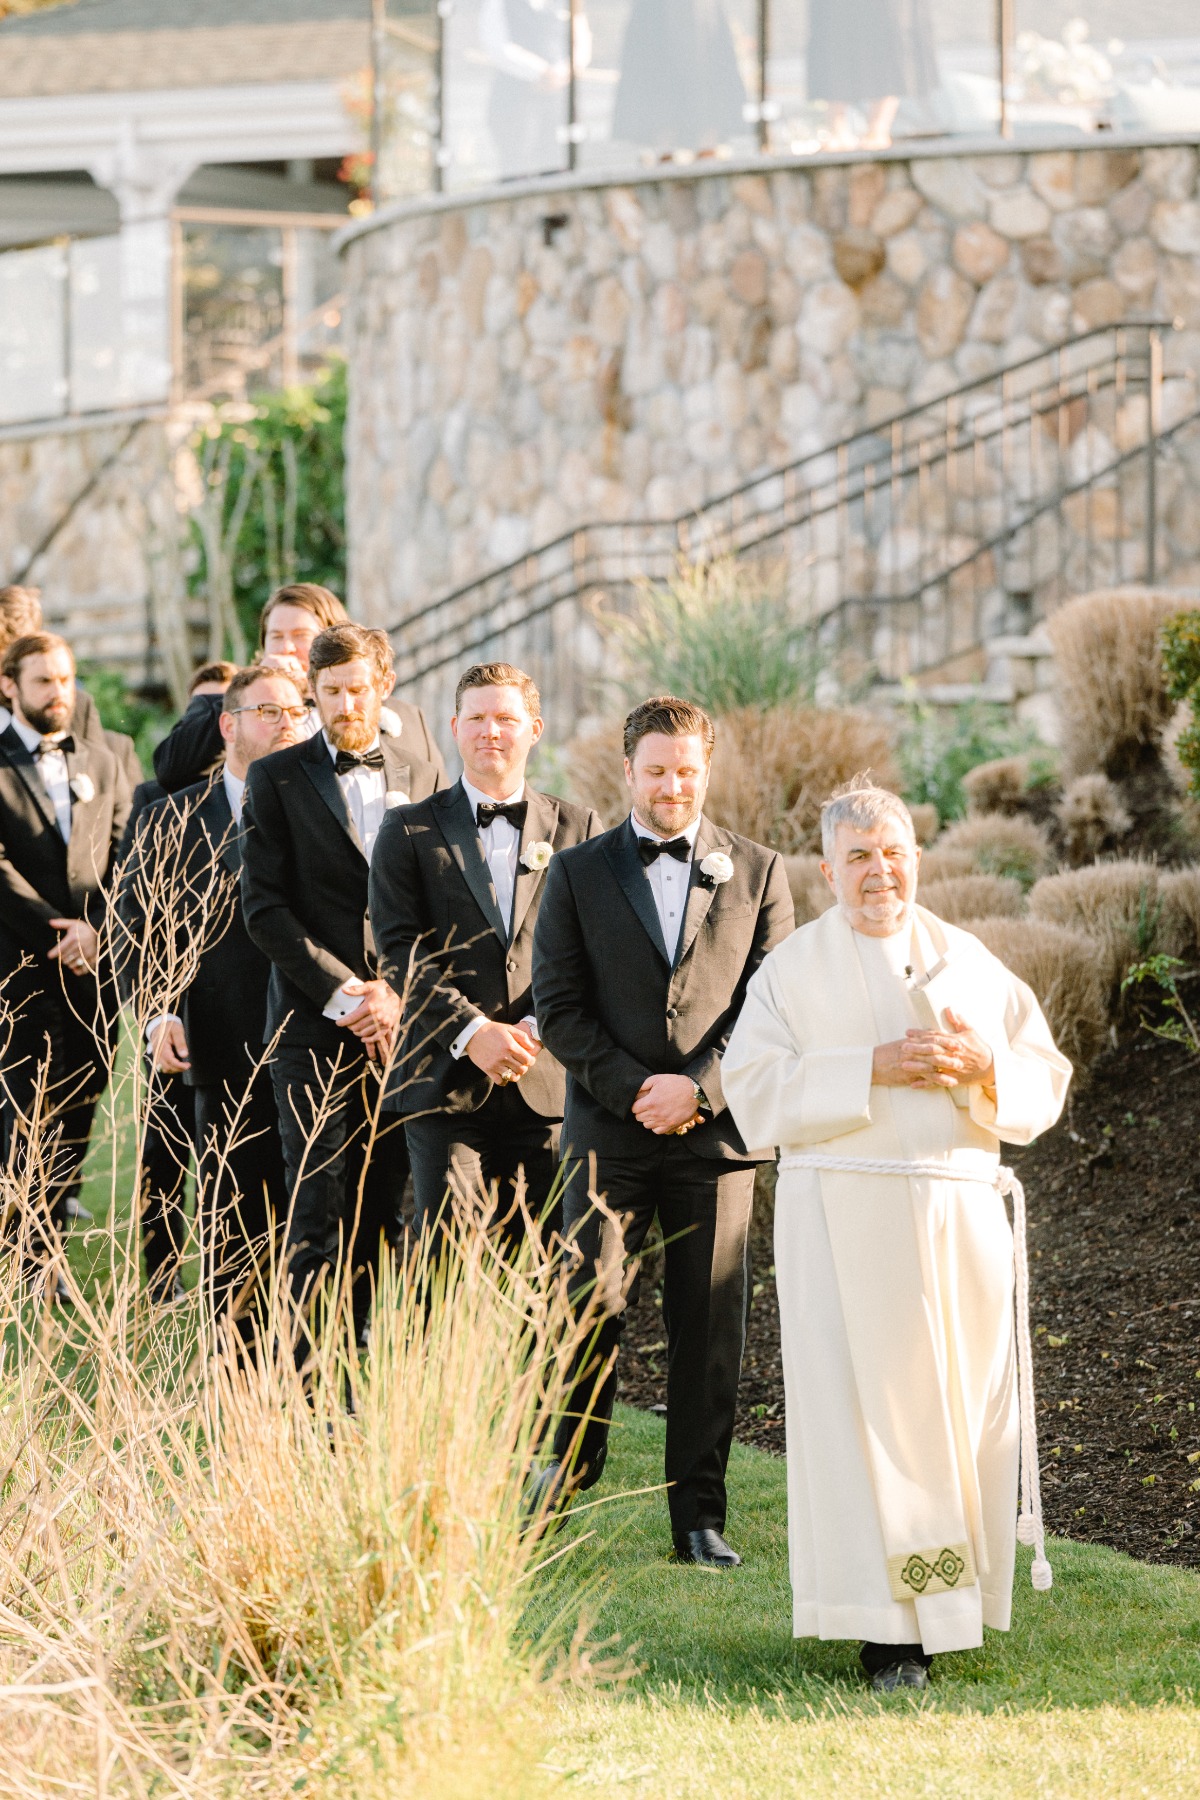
881	1038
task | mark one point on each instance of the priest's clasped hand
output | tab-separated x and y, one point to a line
957	1057
666	1104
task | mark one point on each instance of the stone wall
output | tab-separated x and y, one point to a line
530	359
112	579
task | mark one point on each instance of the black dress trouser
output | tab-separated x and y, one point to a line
166	1157
241	1187
704	1208
345	1165
473	1151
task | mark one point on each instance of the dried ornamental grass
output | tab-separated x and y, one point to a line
1115	904
940	864
1092	818
998	786
595	764
773	770
1000	846
1062	968
1110	684
965	897
1179	919
926	821
811	893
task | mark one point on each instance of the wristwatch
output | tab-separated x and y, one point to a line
701	1101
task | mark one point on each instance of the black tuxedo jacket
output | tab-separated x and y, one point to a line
614	1008
304	881
41	878
434	910
194	742
224	1007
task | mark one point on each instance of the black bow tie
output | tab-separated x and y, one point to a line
345	760
650	849
48	746
513	810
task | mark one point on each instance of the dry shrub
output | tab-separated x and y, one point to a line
1092	817
1061	967
998	786
773	770
1115	905
1179	919
940	864
1111	688
926	821
1000	846
965	897
596	771
811	893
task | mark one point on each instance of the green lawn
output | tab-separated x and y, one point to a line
1093	1690
1093	1693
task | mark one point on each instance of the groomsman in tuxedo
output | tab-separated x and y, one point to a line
646	939
288	624
63	806
311	818
456	882
184	878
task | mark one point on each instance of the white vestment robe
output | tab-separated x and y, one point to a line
895	1291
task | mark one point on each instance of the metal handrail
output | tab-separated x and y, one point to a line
684	526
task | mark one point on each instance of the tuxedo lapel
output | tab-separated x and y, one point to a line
700	895
620	847
541	822
318	766
397	769
457	823
215	815
26	771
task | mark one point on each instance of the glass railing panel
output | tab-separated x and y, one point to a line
33	345
507	79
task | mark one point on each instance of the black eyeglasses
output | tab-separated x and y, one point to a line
271	712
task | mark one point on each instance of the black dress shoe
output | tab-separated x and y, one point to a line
900	1675
76	1212
708	1547
544	1493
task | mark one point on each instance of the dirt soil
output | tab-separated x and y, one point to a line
1114	1205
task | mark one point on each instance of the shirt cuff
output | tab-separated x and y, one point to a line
458	1048
153	1024
340	1004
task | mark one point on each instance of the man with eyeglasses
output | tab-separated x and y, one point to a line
186	867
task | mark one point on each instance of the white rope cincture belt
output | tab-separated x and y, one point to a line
1029	1524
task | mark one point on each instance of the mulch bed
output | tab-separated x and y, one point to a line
1114	1200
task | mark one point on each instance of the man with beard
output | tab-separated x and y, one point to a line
287	626
312	815
889	1055
646	939
183	879
455	888
63	807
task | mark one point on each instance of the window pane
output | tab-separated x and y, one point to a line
33	376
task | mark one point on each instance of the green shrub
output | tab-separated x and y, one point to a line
1181	664
273	506
936	751
720	633
120	710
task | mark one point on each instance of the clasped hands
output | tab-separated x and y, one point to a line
957	1057
505	1052
666	1105
375	1019
79	946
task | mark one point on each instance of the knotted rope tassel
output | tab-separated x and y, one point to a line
1030	1529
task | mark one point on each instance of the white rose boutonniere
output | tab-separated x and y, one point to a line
395	797
536	857
83	789
716	869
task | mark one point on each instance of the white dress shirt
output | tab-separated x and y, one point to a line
502	846
52	769
669	881
235	790
365	793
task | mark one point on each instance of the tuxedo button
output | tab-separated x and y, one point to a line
672	1012
511	964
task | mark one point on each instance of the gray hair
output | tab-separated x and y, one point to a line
862	806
